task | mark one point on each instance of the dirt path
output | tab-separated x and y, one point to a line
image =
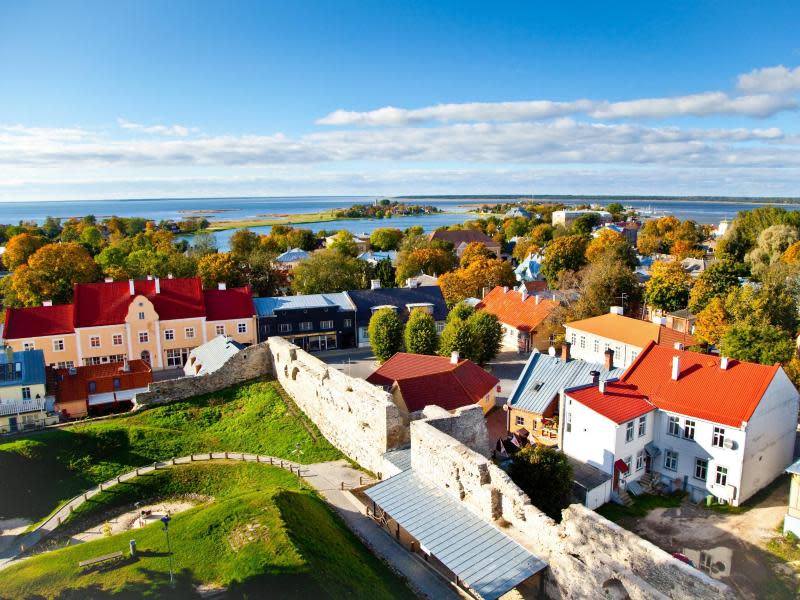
10	529
132	520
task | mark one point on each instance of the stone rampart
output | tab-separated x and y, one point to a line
250	363
588	555
357	417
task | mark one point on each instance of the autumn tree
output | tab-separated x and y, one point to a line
563	254
469	281
344	242
715	282
427	259
792	254
475	251
219	268
712	322
420	333
20	247
610	242
771	244
603	284
327	271
668	287
523	248
385	238
385	334
243	242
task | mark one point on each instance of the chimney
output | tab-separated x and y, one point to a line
47	303
158	285
602	386
676	367
505	289
551	351
678	346
454	357
723	363
595	376
375	284
524	293
109	279
538	299
169	275
149	278
130	287
222	285
609	359
615	310
125	365
565	351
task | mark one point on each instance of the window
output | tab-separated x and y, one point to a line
629	431
583	341
94	341
722	475
26	393
569	422
643	426
349	323
189	333
688	429
306	326
117	383
241	327
596	345
219	329
326	324
176	357
141	316
519	420
116	339
671	460
28	346
92	387
573	338
640	460
439	327
66	364
628	463
285	327
58	345
169	334
700	468
719	437
634	354
673	426
143	337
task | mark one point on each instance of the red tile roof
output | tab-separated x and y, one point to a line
463	236
71	388
425	380
669	337
703	389
509	308
107	303
620	402
234	303
23	323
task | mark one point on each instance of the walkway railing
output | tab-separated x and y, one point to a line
44	529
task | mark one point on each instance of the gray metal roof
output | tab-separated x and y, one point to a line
399	458
292	255
266	307
544	376
794	468
587	476
485	559
211	356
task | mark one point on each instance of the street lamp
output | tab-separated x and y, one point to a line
165	520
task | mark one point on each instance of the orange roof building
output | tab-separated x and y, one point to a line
522	315
417	380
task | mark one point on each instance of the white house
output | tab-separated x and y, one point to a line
211	356
720	427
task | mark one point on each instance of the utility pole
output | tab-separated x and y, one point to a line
165	520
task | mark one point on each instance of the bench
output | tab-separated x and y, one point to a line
99	560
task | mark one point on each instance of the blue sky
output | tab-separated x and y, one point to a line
146	99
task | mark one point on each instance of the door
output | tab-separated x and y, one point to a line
146	356
647	461
12	424
616	479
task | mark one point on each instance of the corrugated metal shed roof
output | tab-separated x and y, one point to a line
266	307
485	559
292	255
544	376
794	468
31	368
587	476
211	355
399	458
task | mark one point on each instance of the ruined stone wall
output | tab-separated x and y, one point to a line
250	363
588	555
357	417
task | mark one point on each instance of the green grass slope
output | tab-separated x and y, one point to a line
265	535
43	470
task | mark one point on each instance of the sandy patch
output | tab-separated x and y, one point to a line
10	529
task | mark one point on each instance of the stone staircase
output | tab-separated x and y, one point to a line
624	497
648	483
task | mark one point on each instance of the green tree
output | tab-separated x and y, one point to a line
327	271
385	238
545	475
759	343
385	334
584	224
52	227
92	239
344	242
668	287
460	311
420	333
488	335
203	244
715	282
386	273
602	284
563	254
617	210
262	275
457	337
243	242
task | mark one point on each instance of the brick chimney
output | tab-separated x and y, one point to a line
676	367
609	359
565	351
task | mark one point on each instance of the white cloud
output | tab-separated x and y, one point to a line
774	80
168	130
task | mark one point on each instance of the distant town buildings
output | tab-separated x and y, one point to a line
566	218
461	238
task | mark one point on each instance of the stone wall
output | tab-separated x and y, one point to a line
588	555
249	363
357	417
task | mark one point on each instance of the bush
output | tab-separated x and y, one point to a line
545	475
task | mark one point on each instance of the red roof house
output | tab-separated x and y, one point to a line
38	321
521	315
234	303
417	381
618	402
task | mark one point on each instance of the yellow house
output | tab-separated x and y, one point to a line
22	391
156	320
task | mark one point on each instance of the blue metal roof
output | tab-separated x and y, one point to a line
377	256
528	269
293	255
544	376
794	468
484	558
266	307
30	372
399	458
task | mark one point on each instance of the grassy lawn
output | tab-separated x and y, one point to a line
265	534
641	506
43	470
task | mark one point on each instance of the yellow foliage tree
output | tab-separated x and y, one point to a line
712	322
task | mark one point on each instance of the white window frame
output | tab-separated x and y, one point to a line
439	327
643	426
28	346
349	323
671	460
306	326
92	340
688	429
144	337
26	393
701	463
596	345
673	426
58	345
640	460
115	337
721	476
629	431
285	328
241	327
326	324
718	437
519	420
188	333
219	329
583	342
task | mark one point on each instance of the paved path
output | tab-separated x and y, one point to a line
327	478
